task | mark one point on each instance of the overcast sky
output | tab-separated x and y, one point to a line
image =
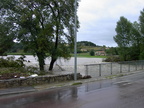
98	18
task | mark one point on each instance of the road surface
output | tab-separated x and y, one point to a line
126	92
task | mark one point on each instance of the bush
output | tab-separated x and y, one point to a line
11	62
11	68
112	59
92	53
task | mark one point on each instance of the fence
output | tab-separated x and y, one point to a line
106	69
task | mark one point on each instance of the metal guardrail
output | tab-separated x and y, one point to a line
113	68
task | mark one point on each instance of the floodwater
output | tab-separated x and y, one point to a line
63	66
70	62
126	92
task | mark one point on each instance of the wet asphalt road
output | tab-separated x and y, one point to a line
126	92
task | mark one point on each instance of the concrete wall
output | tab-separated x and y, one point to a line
37	80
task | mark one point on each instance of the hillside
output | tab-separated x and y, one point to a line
86	46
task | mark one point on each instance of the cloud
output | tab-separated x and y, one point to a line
98	18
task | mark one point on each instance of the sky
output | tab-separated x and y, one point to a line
98	19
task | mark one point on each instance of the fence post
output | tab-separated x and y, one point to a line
129	67
111	69
99	69
120	68
142	65
136	66
86	73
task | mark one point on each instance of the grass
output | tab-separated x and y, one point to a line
77	83
87	55
115	76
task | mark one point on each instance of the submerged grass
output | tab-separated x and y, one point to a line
77	83
87	55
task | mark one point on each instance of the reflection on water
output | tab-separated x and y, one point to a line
59	96
97	85
45	97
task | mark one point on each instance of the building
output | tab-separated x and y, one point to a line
100	53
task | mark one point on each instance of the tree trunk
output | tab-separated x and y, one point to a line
52	64
41	61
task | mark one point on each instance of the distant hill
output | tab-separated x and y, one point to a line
85	43
86	46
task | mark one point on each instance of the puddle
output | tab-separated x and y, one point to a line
123	83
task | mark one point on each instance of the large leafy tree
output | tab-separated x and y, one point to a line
63	19
135	38
6	37
43	26
122	38
130	38
141	21
7	34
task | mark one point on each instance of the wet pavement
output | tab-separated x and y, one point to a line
124	92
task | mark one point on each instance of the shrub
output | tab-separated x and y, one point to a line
92	53
10	62
112	59
11	68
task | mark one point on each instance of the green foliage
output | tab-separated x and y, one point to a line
115	76
11	68
6	38
130	38
10	62
87	55
122	38
43	26
85	43
141	20
10	72
141	56
17	48
92	53
112	51
141	23
112	59
77	83
123	30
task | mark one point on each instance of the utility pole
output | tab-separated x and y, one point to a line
75	44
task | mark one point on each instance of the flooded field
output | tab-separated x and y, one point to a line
62	66
87	66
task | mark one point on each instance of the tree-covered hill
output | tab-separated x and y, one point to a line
85	43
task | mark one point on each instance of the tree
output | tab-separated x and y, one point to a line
112	51
141	21
16	48
86	43
43	26
123	30
63	21
6	38
7	34
135	38
92	53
